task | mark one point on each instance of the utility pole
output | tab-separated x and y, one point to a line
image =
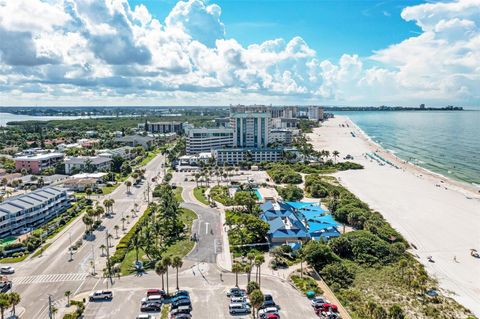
93	259
50	307
148	192
109	268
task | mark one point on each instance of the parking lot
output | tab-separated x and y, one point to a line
207	292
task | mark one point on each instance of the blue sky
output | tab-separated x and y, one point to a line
332	27
220	52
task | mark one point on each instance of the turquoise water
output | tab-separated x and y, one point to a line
447	143
259	196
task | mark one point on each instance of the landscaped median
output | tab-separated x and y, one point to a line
163	230
199	193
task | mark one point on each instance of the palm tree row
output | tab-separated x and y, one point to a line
161	268
254	260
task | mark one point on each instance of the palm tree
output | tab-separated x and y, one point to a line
248	269
123	223
129	184
236	268
102	248
116	227
167	262
335	155
259	260
88	192
110	237
99	211
4	303
67	294
88	221
14	300
177	263
136	244
160	269
256	299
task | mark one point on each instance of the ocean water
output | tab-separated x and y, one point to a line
447	143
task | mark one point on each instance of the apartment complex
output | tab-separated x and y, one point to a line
162	127
251	125
315	113
201	140
22	213
234	156
38	162
77	164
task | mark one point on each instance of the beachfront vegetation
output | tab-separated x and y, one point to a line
306	283
284	174
369	269
290	192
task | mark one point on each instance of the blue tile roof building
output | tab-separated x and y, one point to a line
298	221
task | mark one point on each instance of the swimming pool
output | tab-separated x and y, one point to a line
259	196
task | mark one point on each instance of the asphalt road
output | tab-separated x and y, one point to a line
53	273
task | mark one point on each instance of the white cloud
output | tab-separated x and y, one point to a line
104	51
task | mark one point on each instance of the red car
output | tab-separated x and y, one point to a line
273	316
324	307
152	292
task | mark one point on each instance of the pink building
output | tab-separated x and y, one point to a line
36	163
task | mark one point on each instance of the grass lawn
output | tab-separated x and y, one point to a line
108	189
8	260
41	250
148	158
199	193
178	194
180	248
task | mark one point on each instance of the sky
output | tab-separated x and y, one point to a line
199	52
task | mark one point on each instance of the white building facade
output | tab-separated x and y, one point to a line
200	140
31	210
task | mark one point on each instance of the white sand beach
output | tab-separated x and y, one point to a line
439	216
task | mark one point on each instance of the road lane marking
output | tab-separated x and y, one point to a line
48	278
206	228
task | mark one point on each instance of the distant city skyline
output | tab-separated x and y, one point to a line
196	52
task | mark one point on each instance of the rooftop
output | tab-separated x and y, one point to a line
18	203
38	156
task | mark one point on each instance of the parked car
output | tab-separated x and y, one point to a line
319	300
181	293
180	310
267	297
152	299
263	313
243	299
325	307
151	306
145	316
7	270
268	304
236	292
152	292
181	302
101	295
272	316
183	316
177	298
235	308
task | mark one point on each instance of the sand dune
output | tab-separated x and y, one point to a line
439	216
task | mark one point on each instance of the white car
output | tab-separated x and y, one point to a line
7	270
240	300
267	310
318	300
145	316
101	295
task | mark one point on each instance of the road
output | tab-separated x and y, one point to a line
53	273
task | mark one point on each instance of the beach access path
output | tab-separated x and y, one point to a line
439	216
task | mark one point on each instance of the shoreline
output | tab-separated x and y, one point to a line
440	219
438	178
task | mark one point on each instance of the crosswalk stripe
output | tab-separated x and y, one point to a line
48	278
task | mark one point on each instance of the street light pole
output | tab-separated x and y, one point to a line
70	248
50	308
109	268
93	259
